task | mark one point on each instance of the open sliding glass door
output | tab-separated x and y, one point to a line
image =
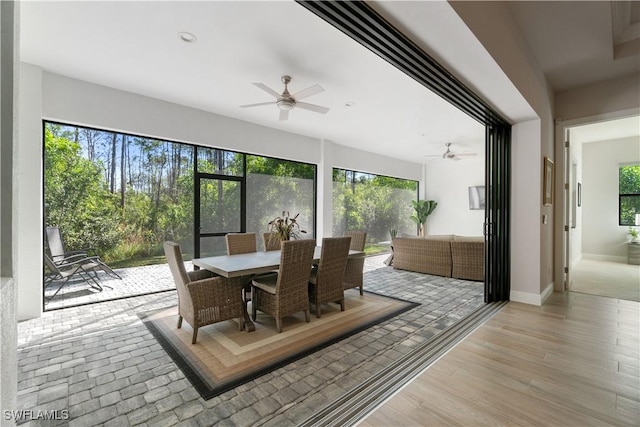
360	21
497	219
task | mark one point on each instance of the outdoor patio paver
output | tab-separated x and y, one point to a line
102	364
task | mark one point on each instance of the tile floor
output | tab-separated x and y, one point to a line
102	365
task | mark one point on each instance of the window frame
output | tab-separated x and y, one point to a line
626	195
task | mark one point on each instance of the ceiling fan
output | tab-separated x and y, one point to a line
450	155
287	102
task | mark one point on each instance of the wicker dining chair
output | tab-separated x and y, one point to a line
271	241
326	283
241	243
203	298
284	293
353	274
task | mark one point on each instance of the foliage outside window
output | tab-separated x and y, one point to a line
629	194
120	194
124	195
373	203
275	185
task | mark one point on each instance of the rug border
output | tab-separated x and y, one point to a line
207	392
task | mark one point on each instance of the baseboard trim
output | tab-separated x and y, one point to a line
547	292
610	258
532	299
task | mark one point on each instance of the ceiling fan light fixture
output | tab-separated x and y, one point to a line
286	104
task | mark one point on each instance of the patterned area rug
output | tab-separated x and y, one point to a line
225	357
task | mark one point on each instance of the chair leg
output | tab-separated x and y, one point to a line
278	324
195	335
318	311
179	321
254	309
342	304
307	315
361	292
241	322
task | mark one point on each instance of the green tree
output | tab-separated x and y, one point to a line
629	190
76	199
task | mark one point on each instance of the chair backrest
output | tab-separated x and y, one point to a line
271	241
333	261
54	241
358	239
176	264
296	259
240	243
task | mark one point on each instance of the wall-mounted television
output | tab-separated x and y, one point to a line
476	198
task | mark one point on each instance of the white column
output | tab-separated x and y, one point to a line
325	191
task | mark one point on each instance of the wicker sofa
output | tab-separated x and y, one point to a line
460	257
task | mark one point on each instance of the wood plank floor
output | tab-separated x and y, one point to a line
573	362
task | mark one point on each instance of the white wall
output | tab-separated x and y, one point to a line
63	99
447	183
526	210
602	237
598	99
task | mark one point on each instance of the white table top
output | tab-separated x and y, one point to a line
250	263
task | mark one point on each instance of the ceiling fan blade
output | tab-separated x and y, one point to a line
456	158
284	115
258	104
267	89
466	154
305	93
312	107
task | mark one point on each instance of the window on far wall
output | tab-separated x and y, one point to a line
373	203
629	194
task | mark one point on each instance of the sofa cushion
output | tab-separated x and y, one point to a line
468	238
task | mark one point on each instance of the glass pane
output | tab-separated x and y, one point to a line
274	186
219	206
629	207
220	162
373	203
212	246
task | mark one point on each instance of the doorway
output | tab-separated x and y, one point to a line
602	159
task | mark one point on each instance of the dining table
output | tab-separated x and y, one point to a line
251	264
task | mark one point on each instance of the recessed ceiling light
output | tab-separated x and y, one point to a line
187	37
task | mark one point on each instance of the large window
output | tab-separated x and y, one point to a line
629	194
274	186
373	203
124	195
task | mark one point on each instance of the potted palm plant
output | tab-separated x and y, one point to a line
285	227
422	209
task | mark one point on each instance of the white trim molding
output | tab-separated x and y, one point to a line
532	299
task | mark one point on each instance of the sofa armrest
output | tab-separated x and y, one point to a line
468	259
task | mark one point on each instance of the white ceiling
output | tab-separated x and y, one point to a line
573	41
134	46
